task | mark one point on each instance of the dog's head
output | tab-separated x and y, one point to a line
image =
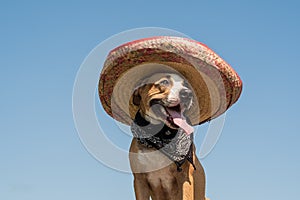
164	98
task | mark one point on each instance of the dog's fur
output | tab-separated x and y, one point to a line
153	95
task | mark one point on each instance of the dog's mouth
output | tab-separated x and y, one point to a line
172	116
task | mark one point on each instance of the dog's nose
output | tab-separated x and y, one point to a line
185	94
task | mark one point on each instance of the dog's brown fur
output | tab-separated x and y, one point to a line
167	183
164	183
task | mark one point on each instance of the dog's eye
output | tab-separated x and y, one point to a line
185	84
164	82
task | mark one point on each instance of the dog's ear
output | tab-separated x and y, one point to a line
136	97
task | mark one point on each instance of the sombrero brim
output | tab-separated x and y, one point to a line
215	84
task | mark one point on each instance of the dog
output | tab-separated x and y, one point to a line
163	99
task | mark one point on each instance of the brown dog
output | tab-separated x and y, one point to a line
162	154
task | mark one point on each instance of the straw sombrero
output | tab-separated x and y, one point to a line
216	86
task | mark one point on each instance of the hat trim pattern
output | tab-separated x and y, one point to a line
165	50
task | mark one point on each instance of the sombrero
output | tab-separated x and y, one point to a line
216	86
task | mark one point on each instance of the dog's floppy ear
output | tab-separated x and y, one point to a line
136	97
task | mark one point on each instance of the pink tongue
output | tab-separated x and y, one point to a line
177	119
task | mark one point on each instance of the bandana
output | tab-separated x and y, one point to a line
173	143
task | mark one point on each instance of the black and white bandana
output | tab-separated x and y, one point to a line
175	144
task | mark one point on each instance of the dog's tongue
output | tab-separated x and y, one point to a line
179	121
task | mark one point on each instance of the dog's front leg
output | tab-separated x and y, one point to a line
141	187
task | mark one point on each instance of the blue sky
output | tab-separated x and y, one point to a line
44	43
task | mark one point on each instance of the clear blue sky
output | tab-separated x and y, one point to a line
43	44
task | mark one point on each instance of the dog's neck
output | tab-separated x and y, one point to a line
174	143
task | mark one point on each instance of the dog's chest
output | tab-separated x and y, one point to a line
151	158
